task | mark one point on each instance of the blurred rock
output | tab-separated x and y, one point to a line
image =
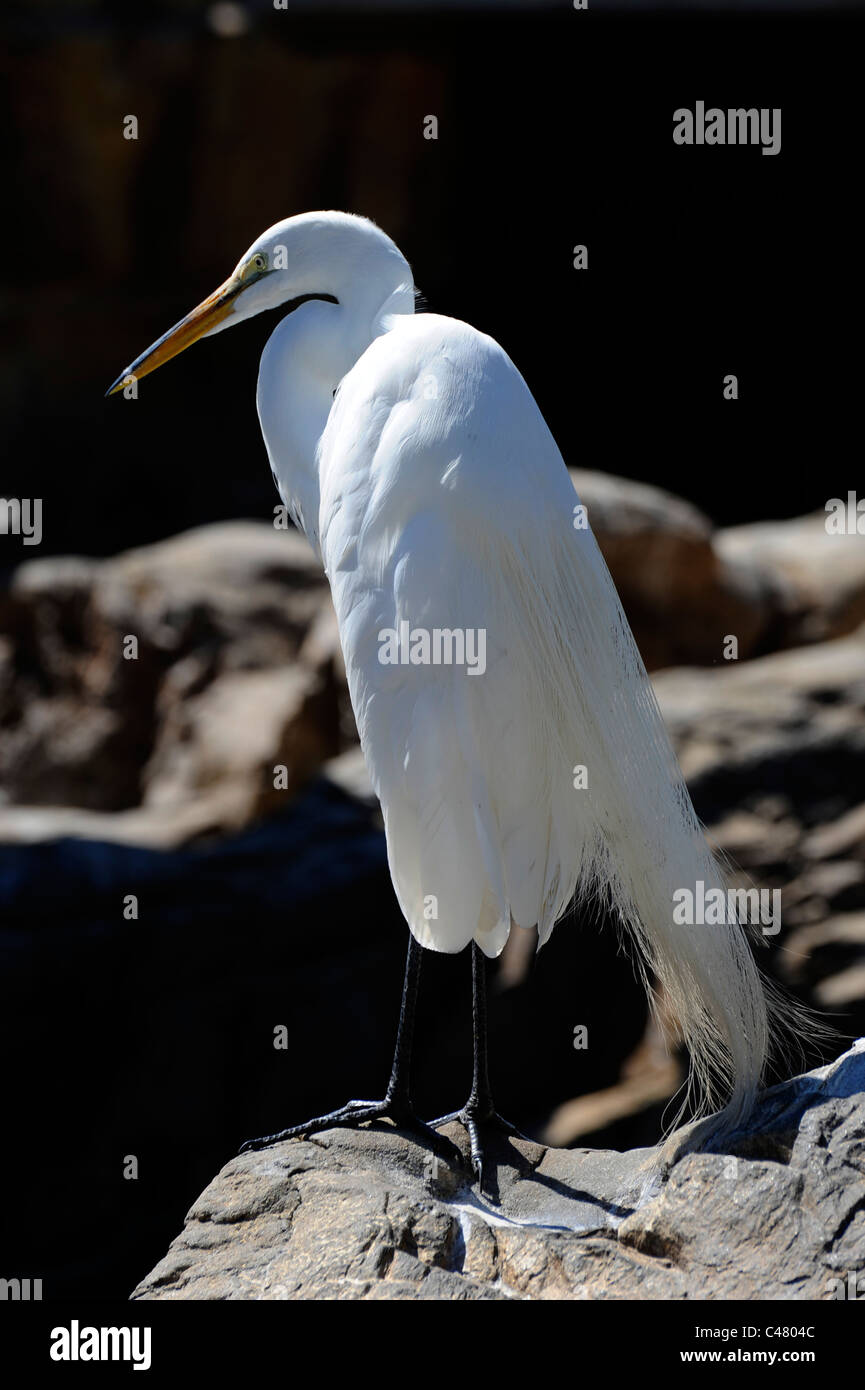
649	1079
371	1214
75	717
821	577
788	726
217	692
349	771
774	754
228	621
686	587
247	742
682	598
846	836
237	697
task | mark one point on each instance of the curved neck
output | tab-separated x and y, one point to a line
303	362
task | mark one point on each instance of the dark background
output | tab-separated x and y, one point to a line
555	128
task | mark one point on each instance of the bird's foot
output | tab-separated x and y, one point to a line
358	1112
475	1118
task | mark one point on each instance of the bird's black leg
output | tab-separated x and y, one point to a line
397	1105
479	1109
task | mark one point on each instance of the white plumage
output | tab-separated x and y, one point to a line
457	511
412	453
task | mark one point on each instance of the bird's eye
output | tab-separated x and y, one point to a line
259	261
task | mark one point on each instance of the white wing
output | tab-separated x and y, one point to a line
446	504
438	478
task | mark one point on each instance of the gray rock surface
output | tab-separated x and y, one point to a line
779	1214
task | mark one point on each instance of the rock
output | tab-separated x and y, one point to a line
245	744
827	959
819	577
779	1214
650	1077
686	586
844	836
230	673
290	923
226	620
789	727
844	990
242	671
350	772
681	596
774	754
239	669
75	716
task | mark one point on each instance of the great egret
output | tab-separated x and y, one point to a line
413	455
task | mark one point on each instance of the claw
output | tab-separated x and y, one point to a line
473	1122
358	1112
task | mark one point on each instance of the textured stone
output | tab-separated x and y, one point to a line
778	1214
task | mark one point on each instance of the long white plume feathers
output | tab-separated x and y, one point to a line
632	835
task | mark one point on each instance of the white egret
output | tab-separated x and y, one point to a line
414	457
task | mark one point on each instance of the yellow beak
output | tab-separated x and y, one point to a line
205	317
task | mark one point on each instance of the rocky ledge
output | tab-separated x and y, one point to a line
780	1214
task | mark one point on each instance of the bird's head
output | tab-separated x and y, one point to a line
331	256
